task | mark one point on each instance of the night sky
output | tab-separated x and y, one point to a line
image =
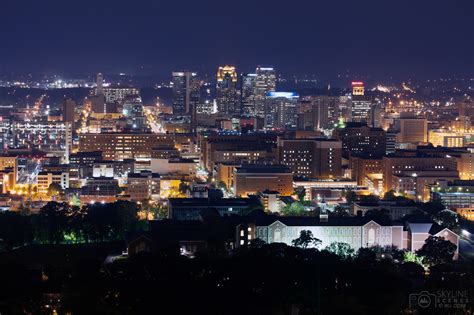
402	38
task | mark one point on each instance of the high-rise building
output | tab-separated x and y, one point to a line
358	88
281	110
312	158
68	110
100	84
227	96
186	95
265	83
184	92
361	104
248	95
320	111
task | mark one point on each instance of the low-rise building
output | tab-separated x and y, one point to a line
144	185
250	179
45	179
358	232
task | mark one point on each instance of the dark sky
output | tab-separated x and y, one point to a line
404	38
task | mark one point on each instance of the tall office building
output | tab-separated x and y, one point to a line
247	94
265	83
100	84
68	110
227	96
361	104
281	110
184	92
319	112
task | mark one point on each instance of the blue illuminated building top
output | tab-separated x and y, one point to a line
282	94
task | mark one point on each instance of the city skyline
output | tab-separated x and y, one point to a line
250	157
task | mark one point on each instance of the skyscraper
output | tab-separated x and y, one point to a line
281	110
184	92
186	95
265	83
100	84
227	96
361	104
247	94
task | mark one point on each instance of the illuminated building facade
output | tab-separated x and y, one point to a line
227	95
361	104
281	110
358	232
248	97
410	172
185	92
255	148
142	186
465	162
45	179
251	179
118	93
265	83
311	158
413	130
120	146
358	139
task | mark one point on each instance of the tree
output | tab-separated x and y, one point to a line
257	243
340	212
437	250
350	196
222	186
15	230
366	255
432	207
447	218
55	189
51	223
183	188
306	239
370	199
380	216
389	195
412	258
300	192
293	209
341	249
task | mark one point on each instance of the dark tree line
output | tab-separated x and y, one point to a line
60	223
265	279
